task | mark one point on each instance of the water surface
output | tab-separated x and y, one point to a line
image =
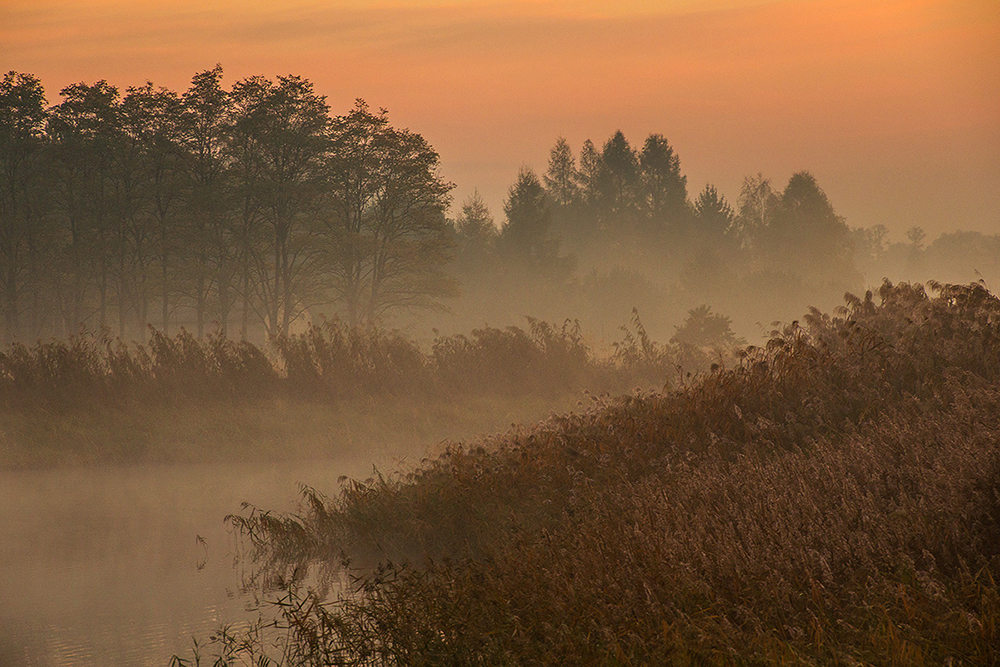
122	566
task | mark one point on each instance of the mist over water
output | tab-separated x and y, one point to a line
123	566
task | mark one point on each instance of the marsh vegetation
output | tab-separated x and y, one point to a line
832	498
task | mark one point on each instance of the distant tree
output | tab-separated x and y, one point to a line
22	126
869	245
204	128
807	236
712	213
146	179
662	196
249	199
411	242
873	240
589	173
617	182
388	238
526	232
915	251
869	242
916	237
477	231
562	178
290	125
703	328
805	218
155	115
580	224
755	209
963	257
83	130
526	236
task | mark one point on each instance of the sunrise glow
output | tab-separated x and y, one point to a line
899	99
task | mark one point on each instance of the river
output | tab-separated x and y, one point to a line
124	565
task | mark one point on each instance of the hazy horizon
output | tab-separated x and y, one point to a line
892	105
621	407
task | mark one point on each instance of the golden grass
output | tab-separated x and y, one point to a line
832	500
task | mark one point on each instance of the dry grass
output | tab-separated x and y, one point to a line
95	399
834	499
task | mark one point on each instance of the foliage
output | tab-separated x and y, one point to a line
525	237
251	204
703	328
832	499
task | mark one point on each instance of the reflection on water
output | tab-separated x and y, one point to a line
123	566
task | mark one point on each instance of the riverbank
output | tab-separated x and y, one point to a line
833	500
94	400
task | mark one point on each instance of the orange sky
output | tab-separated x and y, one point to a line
893	104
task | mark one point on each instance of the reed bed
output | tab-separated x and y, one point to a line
94	398
330	362
831	499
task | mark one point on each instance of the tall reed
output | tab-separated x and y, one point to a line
833	499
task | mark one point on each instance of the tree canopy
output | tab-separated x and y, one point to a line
251	204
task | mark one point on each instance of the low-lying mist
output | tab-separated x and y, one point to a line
324	392
621	421
834	498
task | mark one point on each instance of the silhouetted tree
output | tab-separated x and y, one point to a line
526	237
870	245
712	213
662	196
204	123
477	231
135	229
160	112
618	180
806	235
291	124
562	178
589	173
409	230
804	215
388	235
84	129
755	209
22	125
248	196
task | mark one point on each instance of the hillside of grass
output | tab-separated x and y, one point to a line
832	498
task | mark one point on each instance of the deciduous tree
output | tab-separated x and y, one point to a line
387	235
22	124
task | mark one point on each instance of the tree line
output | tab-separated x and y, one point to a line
243	207
636	200
612	226
242	210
